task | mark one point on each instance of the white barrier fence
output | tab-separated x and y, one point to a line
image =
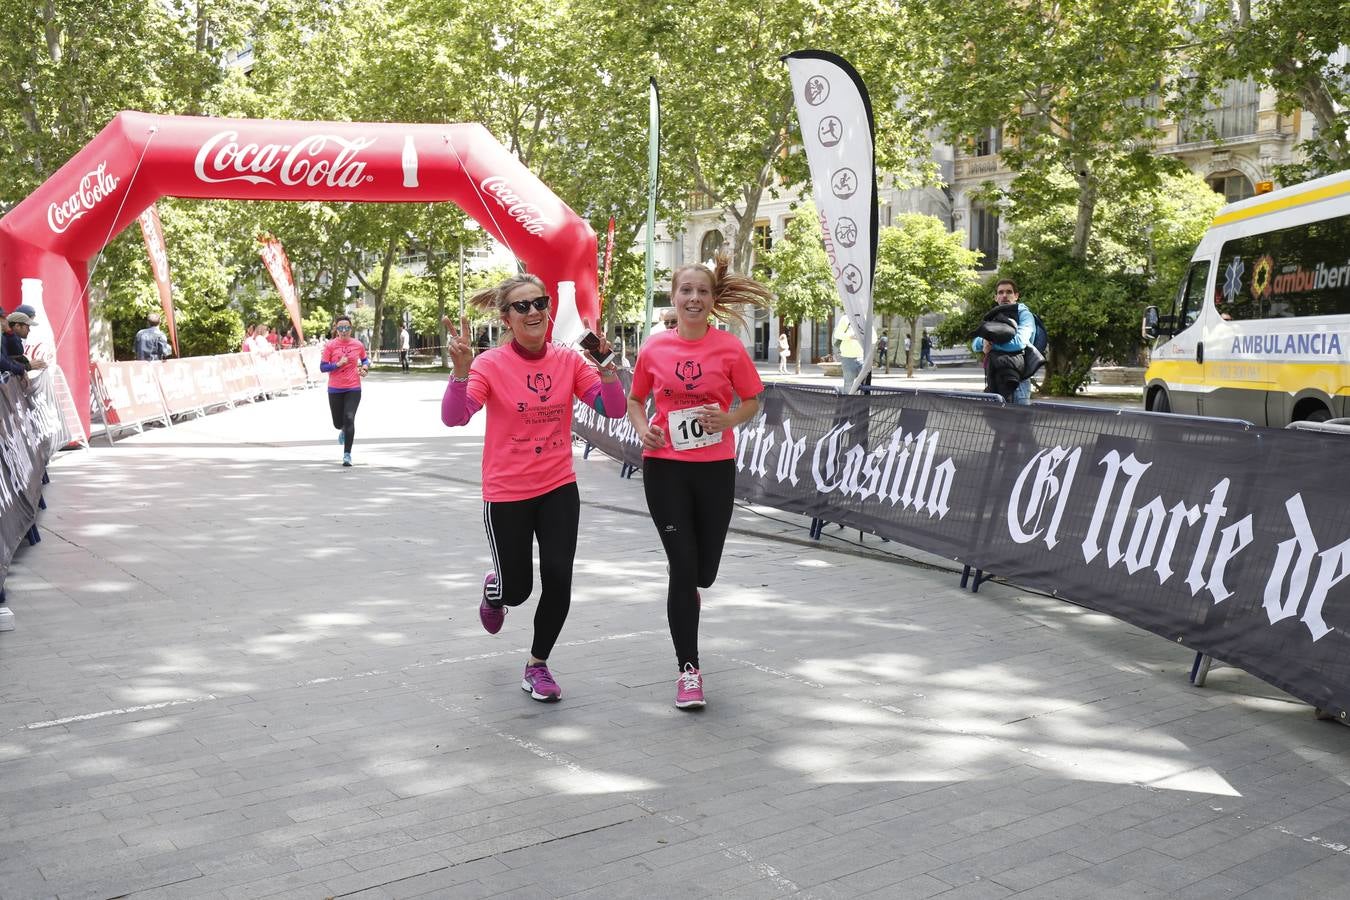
129	394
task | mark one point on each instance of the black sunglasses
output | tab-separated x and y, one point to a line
523	306
343	328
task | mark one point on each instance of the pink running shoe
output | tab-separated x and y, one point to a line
689	689
539	682
491	616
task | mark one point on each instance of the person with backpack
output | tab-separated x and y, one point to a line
1017	356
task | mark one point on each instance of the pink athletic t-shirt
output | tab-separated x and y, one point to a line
345	378
680	374
527	450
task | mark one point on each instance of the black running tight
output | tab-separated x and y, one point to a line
512	529
343	406
690	504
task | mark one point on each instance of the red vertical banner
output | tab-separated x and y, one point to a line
153	232
274	257
609	259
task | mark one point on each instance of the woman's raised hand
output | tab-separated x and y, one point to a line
457	343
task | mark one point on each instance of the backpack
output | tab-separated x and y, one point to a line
1040	339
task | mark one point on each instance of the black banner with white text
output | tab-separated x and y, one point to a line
1230	540
30	433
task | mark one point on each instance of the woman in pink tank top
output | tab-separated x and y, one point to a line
529	486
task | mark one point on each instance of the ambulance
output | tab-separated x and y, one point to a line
1260	326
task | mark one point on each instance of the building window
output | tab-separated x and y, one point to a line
989	141
1232	115
712	242
763	242
701	200
984	235
1234	187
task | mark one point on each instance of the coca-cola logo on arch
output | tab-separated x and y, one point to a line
530	216
93	187
317	160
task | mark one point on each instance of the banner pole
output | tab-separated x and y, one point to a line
653	155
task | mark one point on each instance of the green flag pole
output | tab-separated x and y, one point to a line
653	153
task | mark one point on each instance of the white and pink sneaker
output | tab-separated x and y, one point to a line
689	689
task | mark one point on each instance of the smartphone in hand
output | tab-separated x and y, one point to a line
590	342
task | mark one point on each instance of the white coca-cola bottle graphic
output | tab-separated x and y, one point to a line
409	163
41	341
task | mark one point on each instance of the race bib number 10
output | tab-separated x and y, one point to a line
686	432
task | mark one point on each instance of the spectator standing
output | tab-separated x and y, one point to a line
784	352
909	347
404	345
1003	357
926	350
259	343
151	343
848	350
8	365
19	325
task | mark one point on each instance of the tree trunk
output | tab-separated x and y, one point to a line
909	354
436	269
1087	206
386	268
1314	97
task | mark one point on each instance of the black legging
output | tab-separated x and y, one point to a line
512	527
343	407
690	504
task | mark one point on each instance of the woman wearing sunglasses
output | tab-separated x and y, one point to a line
344	359
688	447
529	486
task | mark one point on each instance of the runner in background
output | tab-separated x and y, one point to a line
344	359
688	448
529	486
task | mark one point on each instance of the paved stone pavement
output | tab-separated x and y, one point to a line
240	670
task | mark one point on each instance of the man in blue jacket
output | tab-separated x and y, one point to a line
1005	293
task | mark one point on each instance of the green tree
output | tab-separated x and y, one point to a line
1295	47
798	272
728	119
415	295
922	269
69	66
1058	79
1137	254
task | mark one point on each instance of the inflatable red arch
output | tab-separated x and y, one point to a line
47	241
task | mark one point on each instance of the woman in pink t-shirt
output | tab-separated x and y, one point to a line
688	448
344	359
529	486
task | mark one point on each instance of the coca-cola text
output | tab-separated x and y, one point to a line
223	158
530	217
94	186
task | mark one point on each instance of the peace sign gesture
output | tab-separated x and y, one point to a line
457	343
